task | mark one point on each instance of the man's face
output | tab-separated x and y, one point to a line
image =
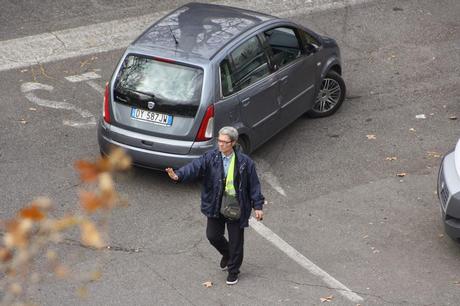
225	144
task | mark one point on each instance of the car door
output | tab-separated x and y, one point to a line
296	71
248	74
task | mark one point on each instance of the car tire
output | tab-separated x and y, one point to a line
242	144
330	96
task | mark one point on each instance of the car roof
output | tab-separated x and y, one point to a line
200	29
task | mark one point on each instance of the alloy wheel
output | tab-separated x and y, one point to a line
328	96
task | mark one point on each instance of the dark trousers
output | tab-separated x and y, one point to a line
233	248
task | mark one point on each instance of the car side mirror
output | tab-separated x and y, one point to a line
311	48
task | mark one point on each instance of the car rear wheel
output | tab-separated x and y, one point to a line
242	143
330	96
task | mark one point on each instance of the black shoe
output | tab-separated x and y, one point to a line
224	263
232	278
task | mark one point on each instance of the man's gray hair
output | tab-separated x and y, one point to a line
230	131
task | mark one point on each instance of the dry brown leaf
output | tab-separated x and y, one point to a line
104	164
326	299
88	170
207	284
371	137
32	109
95	275
90	202
5	255
402	174
391	57
90	236
106	182
82	292
32	212
16	234
43	203
434	154
51	255
412	130
64	223
61	271
119	160
15	288
35	277
391	158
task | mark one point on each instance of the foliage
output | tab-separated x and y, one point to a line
34	235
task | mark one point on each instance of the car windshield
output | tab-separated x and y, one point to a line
169	82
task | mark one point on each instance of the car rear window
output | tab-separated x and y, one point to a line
175	88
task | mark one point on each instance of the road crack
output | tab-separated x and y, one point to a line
115	248
59	39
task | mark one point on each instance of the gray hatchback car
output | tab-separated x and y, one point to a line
205	66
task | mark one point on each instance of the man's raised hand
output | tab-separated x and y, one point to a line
172	174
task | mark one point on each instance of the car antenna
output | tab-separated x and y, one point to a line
175	40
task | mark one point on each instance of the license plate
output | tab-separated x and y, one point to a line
145	115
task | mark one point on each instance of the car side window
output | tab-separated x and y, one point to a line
226	77
309	42
246	65
284	45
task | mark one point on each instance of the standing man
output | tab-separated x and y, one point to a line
230	190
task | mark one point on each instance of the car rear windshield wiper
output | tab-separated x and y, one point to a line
140	92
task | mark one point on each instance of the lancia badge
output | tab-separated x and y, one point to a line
151	104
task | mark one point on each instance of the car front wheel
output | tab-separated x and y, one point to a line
330	96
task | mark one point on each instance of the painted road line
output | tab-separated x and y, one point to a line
88	78
271	179
267	175
96	87
29	89
83	77
303	261
117	34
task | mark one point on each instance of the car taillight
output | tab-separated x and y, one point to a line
105	109
207	125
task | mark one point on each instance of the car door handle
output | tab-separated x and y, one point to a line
246	101
283	80
147	143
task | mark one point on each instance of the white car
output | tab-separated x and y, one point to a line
449	192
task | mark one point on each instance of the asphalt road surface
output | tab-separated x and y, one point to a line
333	193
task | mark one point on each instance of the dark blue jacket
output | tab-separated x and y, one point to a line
209	167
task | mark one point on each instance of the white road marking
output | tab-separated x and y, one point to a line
117	34
83	77
96	87
271	179
303	261
75	124
28	90
267	175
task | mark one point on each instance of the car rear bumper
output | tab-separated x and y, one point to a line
449	196
149	158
